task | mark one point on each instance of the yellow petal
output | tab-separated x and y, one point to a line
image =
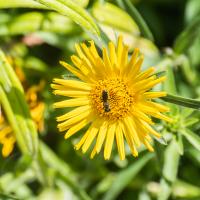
129	139
150	129
72	103
71	93
92	134
77	127
79	85
161	116
157	106
109	141
94	152
153	83
140	115
88	54
132	61
136	68
79	51
80	143
73	113
131	127
120	142
145	74
106	59
113	56
82	64
119	48
101	137
93	49
151	95
149	147
124	58
75	72
64	125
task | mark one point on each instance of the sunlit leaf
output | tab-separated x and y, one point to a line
192	137
111	15
125	176
75	12
170	168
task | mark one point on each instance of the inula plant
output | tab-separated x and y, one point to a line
126	98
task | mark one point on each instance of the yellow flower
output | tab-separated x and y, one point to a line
112	98
7	137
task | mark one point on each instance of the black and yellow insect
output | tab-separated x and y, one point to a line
105	101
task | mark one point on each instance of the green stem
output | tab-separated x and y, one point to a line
182	101
132	11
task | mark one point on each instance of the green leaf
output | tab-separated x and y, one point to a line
192	10
50	21
21	4
144	196
16	108
171	161
186	112
193	138
124	177
185	190
165	190
182	101
32	4
170	169
75	12
111	15
132	11
191	121
64	170
193	154
179	142
188	36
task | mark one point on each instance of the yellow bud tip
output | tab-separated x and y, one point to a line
62	62
84	150
66	136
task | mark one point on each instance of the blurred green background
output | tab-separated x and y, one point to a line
35	37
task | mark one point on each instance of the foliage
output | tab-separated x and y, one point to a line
35	35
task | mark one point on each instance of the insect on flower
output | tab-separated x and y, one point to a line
112	97
105	101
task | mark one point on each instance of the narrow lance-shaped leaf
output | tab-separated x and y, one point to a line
193	138
49	21
21	4
32	4
124	177
111	15
15	95
131	10
169	172
72	10
188	36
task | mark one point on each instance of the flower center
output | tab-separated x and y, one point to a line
112	98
